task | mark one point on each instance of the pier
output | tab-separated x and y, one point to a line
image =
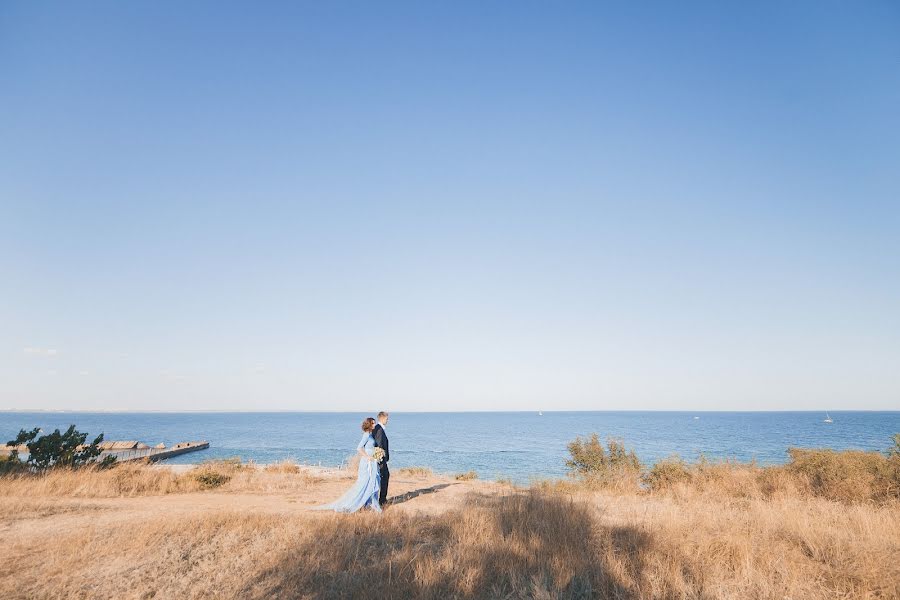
127	451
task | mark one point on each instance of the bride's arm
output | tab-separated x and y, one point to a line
361	448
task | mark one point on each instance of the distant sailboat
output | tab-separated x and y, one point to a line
540	413
828	418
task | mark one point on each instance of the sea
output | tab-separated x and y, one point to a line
521	446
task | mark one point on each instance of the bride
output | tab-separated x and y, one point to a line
368	481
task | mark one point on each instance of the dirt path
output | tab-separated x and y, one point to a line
53	515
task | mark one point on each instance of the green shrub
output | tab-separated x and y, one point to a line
591	461
216	473
66	450
209	478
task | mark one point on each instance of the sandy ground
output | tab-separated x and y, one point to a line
431	494
424	495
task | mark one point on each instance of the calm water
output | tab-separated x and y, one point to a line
516	445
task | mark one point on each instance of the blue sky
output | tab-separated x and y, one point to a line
462	206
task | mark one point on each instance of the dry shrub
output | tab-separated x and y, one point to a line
778	483
847	476
234	476
467	476
668	473
210	479
421	472
718	480
558	486
286	466
216	473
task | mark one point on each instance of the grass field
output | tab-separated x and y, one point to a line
827	525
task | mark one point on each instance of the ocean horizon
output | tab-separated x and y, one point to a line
521	445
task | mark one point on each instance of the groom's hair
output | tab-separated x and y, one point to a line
382	414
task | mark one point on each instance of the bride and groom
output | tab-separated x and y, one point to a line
372	478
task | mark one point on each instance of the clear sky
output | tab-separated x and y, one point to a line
449	206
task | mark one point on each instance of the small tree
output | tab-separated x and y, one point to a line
60	449
589	459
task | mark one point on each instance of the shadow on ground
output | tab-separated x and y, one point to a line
416	493
519	545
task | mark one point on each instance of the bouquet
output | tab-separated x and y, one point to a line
378	455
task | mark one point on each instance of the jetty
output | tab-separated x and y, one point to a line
132	450
129	450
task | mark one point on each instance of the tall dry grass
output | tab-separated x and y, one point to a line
530	544
136	479
419	472
849	476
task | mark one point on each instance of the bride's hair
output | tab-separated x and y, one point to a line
368	425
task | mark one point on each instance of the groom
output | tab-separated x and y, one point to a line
381	441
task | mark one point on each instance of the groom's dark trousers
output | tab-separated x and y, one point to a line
381	441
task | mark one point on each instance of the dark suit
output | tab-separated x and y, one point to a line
381	441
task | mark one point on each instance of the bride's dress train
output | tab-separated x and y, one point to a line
368	483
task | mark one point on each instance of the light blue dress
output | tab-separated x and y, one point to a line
368	483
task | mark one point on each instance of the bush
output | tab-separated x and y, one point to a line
10	463
60	449
216	473
589	459
469	476
416	472
667	473
847	476
209	478
287	467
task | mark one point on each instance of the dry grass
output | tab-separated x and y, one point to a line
420	472
703	531
285	466
135	479
529	544
850	476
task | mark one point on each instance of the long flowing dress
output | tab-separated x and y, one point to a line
368	483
